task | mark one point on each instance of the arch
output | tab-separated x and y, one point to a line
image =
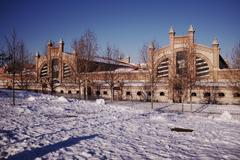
221	94
139	93
43	72
236	95
162	94
203	66
98	93
206	94
163	67
67	69
128	93
105	93
203	58
193	94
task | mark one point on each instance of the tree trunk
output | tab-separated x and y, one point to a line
13	88
191	99
112	94
152	96
79	87
182	104
86	89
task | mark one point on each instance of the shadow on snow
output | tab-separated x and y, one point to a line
39	152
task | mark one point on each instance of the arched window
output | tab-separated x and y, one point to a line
66	71
162	93
139	93
236	95
61	91
207	94
202	68
193	94
69	92
128	93
221	94
105	92
162	69
44	70
77	92
97	93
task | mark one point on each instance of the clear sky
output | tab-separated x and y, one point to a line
127	24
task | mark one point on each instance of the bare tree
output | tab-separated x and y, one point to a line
16	49
148	55
235	57
185	79
86	50
25	76
111	77
235	67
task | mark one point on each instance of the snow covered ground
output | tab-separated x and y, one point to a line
48	127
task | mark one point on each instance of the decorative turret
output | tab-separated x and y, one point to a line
191	33
61	45
171	30
61	41
216	53
191	29
37	54
151	48
49	43
215	43
171	36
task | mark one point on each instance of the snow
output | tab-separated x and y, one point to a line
58	128
123	70
225	116
100	101
31	98
61	99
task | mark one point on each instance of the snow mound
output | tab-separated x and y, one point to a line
31	98
61	99
100	101
19	110
157	118
225	116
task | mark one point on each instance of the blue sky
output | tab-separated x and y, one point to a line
127	24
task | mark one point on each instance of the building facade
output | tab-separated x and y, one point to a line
183	71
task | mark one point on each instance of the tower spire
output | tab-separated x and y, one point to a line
171	30
215	41
191	29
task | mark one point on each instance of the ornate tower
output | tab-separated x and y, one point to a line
171	37
191	32
216	52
